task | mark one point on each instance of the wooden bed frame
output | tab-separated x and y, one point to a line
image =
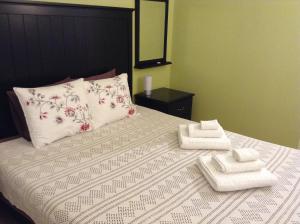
19	215
42	43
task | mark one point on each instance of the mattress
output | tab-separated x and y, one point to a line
133	171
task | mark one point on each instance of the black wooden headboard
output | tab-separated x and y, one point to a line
41	43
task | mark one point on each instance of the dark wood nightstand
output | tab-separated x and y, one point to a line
170	101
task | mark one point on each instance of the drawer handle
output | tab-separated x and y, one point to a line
180	109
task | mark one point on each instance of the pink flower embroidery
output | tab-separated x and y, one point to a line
113	95
131	111
70	112
84	127
43	115
59	120
77	112
54	98
120	99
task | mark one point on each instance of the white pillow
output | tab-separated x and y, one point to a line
55	112
109	100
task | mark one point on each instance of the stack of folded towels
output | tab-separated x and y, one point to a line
203	135
237	170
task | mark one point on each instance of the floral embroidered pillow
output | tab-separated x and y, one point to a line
109	100
55	112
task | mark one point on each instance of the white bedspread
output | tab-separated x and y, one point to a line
133	171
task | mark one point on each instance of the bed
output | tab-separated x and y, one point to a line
129	171
132	171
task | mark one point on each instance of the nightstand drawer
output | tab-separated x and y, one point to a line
182	108
152	105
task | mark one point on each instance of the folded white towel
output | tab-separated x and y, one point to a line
195	131
245	154
236	181
187	142
210	125
227	164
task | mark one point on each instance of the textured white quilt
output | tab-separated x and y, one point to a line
133	171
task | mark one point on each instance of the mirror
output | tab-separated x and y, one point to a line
151	33
152	30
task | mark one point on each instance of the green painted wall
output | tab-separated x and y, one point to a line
242	59
161	75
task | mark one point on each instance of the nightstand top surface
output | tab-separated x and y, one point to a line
165	95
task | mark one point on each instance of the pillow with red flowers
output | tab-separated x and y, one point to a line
55	112
17	112
109	100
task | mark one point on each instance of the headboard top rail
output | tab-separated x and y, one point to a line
36	3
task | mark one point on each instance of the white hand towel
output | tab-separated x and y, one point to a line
227	164
236	181
245	154
210	125
187	142
195	131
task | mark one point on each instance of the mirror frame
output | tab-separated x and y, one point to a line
152	62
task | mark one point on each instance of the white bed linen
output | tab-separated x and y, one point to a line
234	181
133	171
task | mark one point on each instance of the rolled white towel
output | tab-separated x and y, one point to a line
234	181
195	131
227	164
187	142
210	125
245	154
